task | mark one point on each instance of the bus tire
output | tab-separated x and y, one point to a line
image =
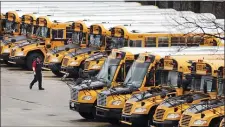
30	59
114	121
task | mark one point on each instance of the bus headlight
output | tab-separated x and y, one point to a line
118	102
74	63
55	60
139	110
6	51
95	67
19	54
173	116
87	98
200	122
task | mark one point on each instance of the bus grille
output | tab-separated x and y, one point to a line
128	107
13	52
65	62
87	63
159	114
185	120
74	94
101	99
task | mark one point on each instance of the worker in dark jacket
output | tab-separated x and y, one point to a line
37	66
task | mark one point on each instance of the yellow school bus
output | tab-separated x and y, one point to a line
84	98
2	25
97	38
49	35
203	87
78	33
134	37
209	112
27	31
13	22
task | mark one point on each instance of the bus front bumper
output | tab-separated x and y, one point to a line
17	60
4	56
81	107
166	123
46	67
108	113
70	70
136	119
90	72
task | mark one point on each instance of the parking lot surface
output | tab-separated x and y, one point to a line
21	106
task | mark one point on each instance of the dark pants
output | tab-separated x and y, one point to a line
37	77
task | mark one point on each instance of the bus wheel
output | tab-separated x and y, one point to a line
30	59
114	121
57	73
86	115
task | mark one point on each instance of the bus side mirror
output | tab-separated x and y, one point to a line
163	95
13	40
67	49
202	115
189	99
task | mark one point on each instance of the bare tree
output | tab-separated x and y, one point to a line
198	24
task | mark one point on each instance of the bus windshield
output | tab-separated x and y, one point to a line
221	90
136	74
27	29
78	37
10	26
199	82
95	40
42	31
111	64
168	78
117	42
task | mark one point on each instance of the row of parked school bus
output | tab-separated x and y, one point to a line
42	34
144	87
152	78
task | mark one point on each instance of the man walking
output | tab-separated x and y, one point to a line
37	68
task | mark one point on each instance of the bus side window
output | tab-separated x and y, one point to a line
135	43
150	78
198	40
163	42
193	41
150	42
177	41
157	77
57	34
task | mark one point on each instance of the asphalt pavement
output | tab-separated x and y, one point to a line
21	106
